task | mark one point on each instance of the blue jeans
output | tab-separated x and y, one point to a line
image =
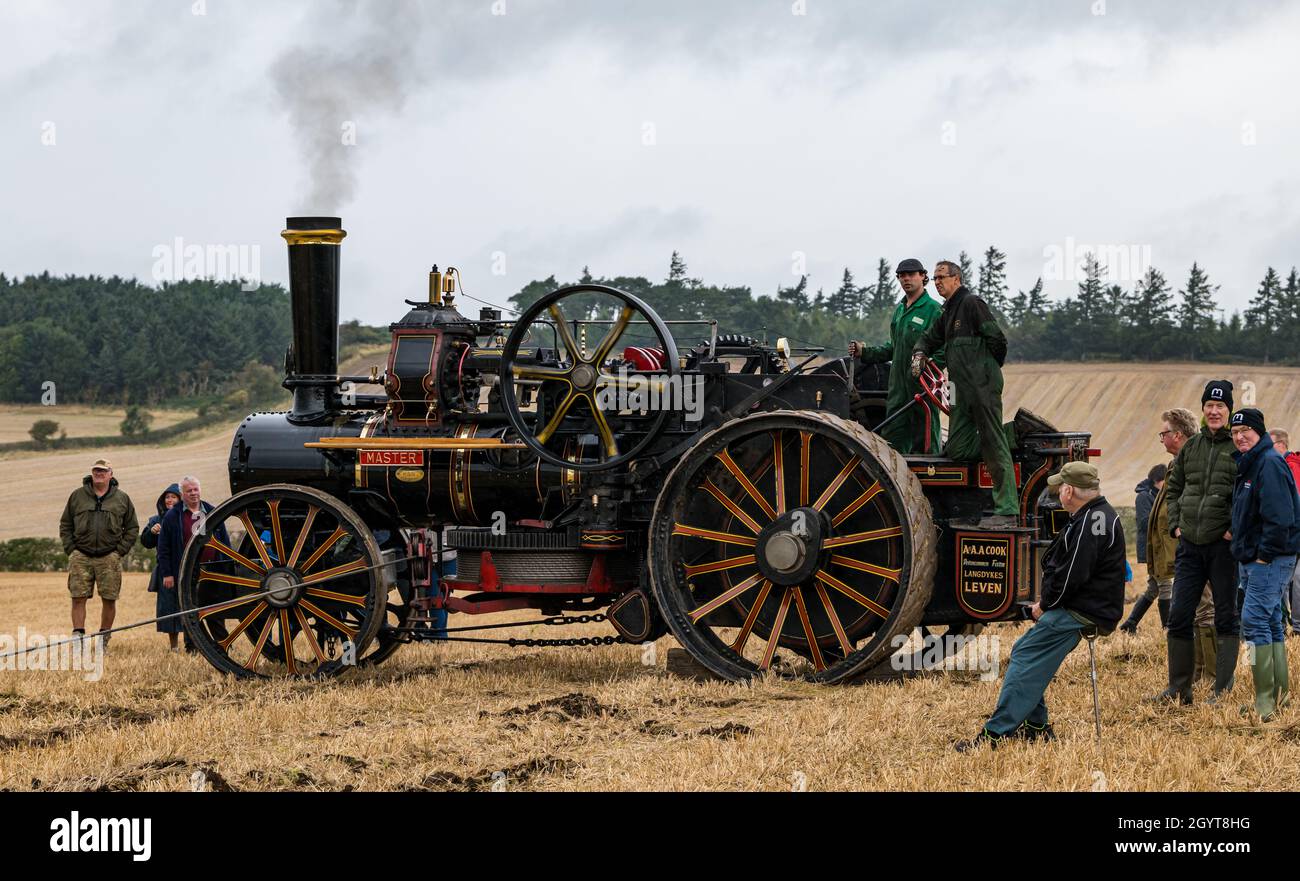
1261	608
1035	658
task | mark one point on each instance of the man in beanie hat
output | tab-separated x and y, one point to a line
1199	492
912	432
1082	589
974	348
1265	540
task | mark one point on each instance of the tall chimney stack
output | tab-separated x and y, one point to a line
312	365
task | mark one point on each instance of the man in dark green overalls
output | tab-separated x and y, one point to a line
974	348
913	316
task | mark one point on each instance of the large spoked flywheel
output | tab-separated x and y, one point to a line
287	580
792	541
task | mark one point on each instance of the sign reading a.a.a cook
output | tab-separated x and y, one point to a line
392	457
985	573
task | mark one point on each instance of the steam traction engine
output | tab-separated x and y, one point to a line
577	459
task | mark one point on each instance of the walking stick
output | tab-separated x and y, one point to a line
1092	660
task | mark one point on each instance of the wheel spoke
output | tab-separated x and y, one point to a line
850	563
565	332
256	538
607	344
819	663
602	427
325	574
837	482
537	371
286	641
860	537
243	625
719	565
712	535
338	533
205	575
557	417
311	637
852	507
805	455
727	462
329	619
738	646
321	593
725	597
831	581
220	547
712	489
776	629
845	645
302	536
261	644
778	471
276	534
235	603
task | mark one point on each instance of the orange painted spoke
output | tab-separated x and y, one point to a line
860	537
831	581
712	489
243	625
837	482
819	663
329	619
286	641
805	457
713	535
565	332
725	597
216	610
776	629
850	563
778	471
256	538
321	593
845	645
553	424
311	637
302	536
239	558
261	643
852	507
741	638
205	575
355	566
338	533
615	334
719	565
276	534
725	458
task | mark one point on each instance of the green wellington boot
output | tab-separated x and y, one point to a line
1281	676
1261	669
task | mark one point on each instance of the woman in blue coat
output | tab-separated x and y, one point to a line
166	599
178	527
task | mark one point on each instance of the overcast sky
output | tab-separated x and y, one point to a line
742	133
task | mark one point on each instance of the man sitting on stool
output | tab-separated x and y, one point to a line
1082	589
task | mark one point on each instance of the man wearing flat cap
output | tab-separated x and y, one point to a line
1082	590
913	316
98	528
1199	493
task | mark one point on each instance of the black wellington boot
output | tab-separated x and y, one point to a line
1182	659
1140	607
1163	607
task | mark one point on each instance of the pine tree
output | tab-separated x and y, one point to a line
676	269
992	287
967	270
1037	305
884	293
1262	314
1288	314
845	301
1092	294
1196	312
796	296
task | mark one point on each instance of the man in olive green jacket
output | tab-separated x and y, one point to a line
98	528
912	317
1199	498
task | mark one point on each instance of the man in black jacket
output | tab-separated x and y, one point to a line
1146	491
1082	589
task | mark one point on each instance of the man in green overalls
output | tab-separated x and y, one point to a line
913	316
974	347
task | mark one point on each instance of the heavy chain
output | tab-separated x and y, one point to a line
533	642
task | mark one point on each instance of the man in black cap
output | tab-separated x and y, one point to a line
1199	492
1082	590
912	432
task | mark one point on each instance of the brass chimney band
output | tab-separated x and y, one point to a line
314	236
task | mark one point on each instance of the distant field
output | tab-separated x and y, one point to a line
77	420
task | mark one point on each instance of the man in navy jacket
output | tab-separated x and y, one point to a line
1265	540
